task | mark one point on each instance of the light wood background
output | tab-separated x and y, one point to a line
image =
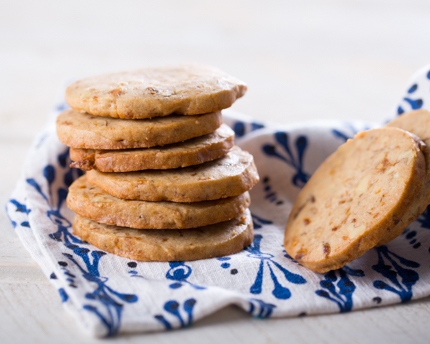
302	60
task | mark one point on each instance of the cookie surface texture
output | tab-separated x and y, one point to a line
217	240
153	92
188	153
355	198
231	175
82	130
417	123
89	201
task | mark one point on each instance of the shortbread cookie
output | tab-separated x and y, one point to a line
188	153
216	240
82	130
417	123
355	198
89	201
228	176
153	92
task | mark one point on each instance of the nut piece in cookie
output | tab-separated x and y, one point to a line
163	245
355	198
153	92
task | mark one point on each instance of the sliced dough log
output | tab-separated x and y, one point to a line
153	92
417	123
82	130
89	201
217	240
188	153
355	198
228	176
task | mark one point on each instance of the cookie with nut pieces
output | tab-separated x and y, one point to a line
418	123
152	92
89	201
82	130
216	240
188	153
228	176
355	198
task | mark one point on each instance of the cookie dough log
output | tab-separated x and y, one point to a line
188	153
153	92
89	201
217	240
82	130
231	175
355	198
417	123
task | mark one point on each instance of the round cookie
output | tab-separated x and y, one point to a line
154	92
417	123
216	240
82	130
89	201
355	198
228	176
191	152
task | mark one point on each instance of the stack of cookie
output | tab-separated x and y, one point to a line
364	195
164	180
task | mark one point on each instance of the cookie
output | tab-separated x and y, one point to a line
154	92
355	198
89	201
228	176
191	152
417	123
82	130
216	240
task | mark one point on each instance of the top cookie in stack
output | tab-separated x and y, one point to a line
164	180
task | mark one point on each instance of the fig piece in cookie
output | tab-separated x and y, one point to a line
89	201
163	245
355	198
82	130
417	123
228	176
153	92
188	153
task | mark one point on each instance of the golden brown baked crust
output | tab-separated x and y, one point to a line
153	92
417	123
82	130
89	201
216	240
188	153
355	198
228	176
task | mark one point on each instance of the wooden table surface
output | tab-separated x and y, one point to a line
302	60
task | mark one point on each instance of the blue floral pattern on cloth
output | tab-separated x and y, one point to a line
110	294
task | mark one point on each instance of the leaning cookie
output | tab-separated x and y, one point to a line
217	240
355	198
82	130
153	92
89	201
417	123
188	153
231	175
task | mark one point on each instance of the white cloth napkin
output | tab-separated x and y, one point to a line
110	294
